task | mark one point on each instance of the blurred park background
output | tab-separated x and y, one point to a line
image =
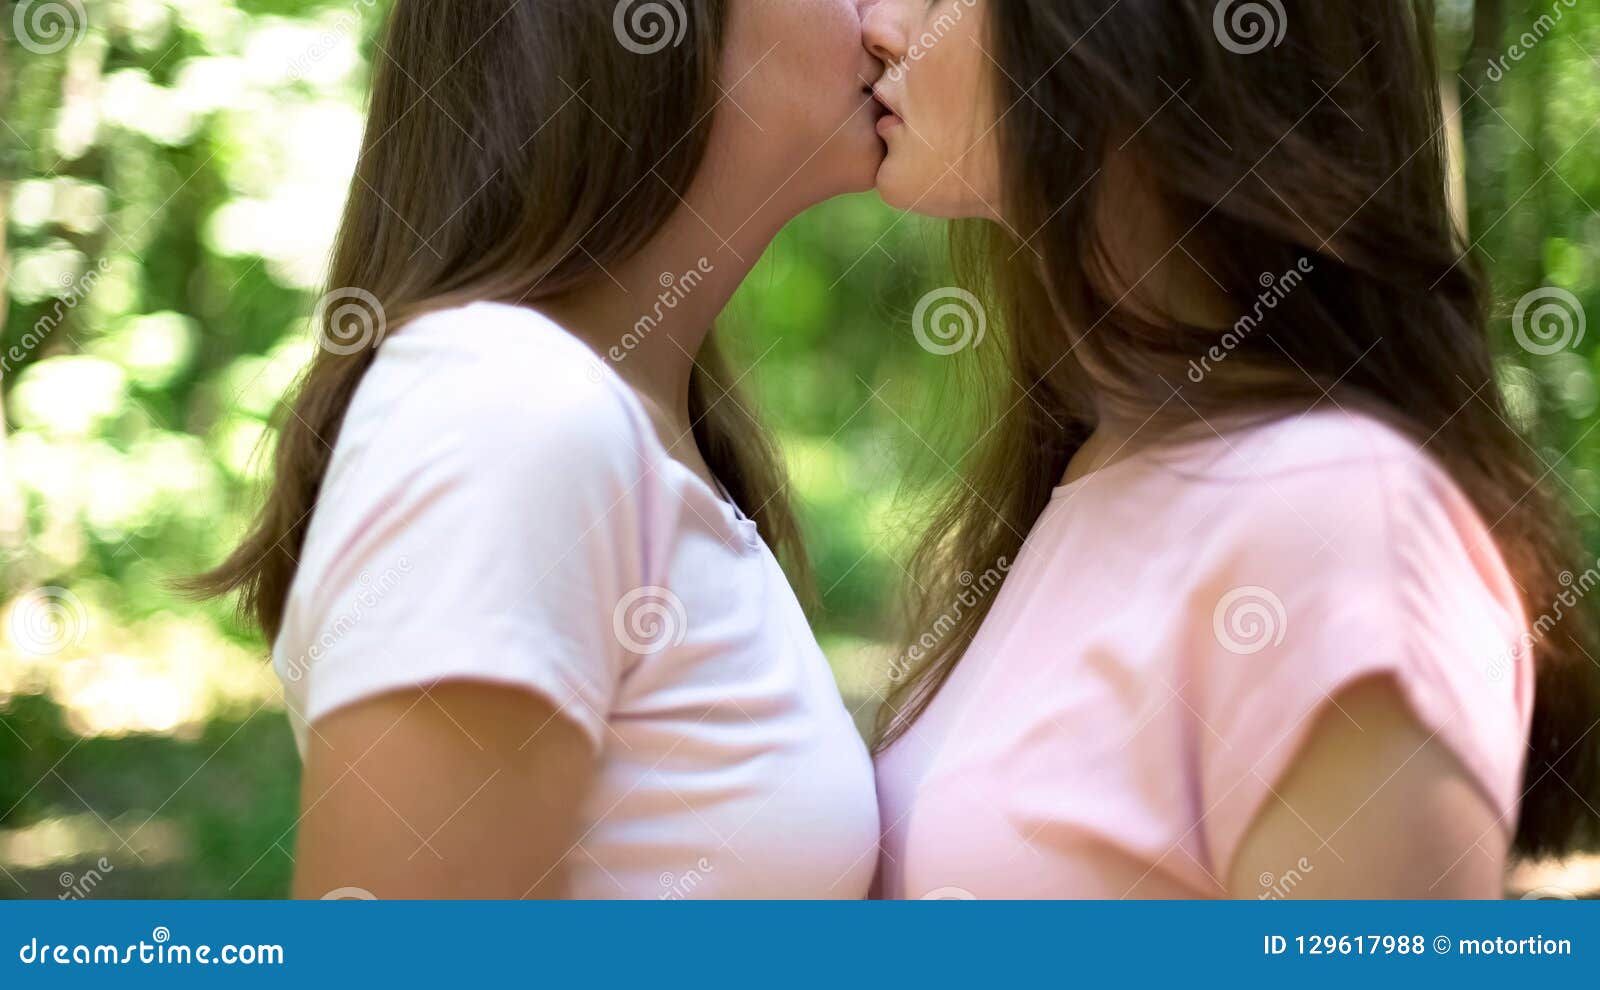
172	174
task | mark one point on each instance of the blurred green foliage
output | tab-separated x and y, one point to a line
172	176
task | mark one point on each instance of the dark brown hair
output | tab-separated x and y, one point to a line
1328	146
512	151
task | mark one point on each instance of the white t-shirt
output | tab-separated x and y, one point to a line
499	509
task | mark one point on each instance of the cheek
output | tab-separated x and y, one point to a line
957	89
798	62
825	56
840	22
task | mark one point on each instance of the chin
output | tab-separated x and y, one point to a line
859	158
915	192
898	189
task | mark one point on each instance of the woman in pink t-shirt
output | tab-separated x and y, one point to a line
1253	589
517	557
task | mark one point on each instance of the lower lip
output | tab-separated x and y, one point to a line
887	124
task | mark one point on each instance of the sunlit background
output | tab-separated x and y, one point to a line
173	172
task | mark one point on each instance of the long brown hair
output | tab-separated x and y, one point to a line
1327	152
512	153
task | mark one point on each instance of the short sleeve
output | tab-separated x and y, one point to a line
1378	567
482	525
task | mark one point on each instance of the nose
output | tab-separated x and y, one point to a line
883	30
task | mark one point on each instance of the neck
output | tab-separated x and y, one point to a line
649	315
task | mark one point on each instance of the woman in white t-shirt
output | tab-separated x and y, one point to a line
515	557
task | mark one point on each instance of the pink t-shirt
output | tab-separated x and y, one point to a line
1164	643
499	509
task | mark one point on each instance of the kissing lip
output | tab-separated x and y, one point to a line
889	108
